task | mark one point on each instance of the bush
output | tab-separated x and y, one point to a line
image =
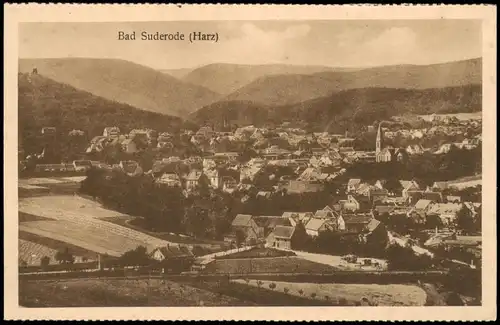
272	285
313	295
45	261
301	292
65	257
286	290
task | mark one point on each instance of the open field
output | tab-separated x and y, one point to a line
26	217
268	265
40	181
57	245
97	237
258	296
77	221
127	221
116	293
64	206
352	294
55	186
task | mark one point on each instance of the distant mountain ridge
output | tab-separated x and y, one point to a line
125	82
276	90
226	78
346	109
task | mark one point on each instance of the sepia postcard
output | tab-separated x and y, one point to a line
255	162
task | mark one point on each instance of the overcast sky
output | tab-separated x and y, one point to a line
347	43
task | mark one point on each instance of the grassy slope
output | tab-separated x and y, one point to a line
118	293
381	295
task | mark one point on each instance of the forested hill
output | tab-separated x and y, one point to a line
44	102
347	109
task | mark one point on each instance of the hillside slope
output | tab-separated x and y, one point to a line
177	73
125	82
226	78
290	89
232	112
43	102
346	109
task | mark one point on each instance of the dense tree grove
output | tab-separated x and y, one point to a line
404	259
135	257
206	213
425	169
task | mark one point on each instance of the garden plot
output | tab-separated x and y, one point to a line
350	294
32	253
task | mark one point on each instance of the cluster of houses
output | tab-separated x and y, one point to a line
359	213
414	202
130	143
279	231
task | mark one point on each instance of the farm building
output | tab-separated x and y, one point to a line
244	226
281	237
173	258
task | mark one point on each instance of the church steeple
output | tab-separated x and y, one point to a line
379	143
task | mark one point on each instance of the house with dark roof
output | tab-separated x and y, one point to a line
376	234
281	237
244	225
376	194
356	222
433	196
268	223
173	258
